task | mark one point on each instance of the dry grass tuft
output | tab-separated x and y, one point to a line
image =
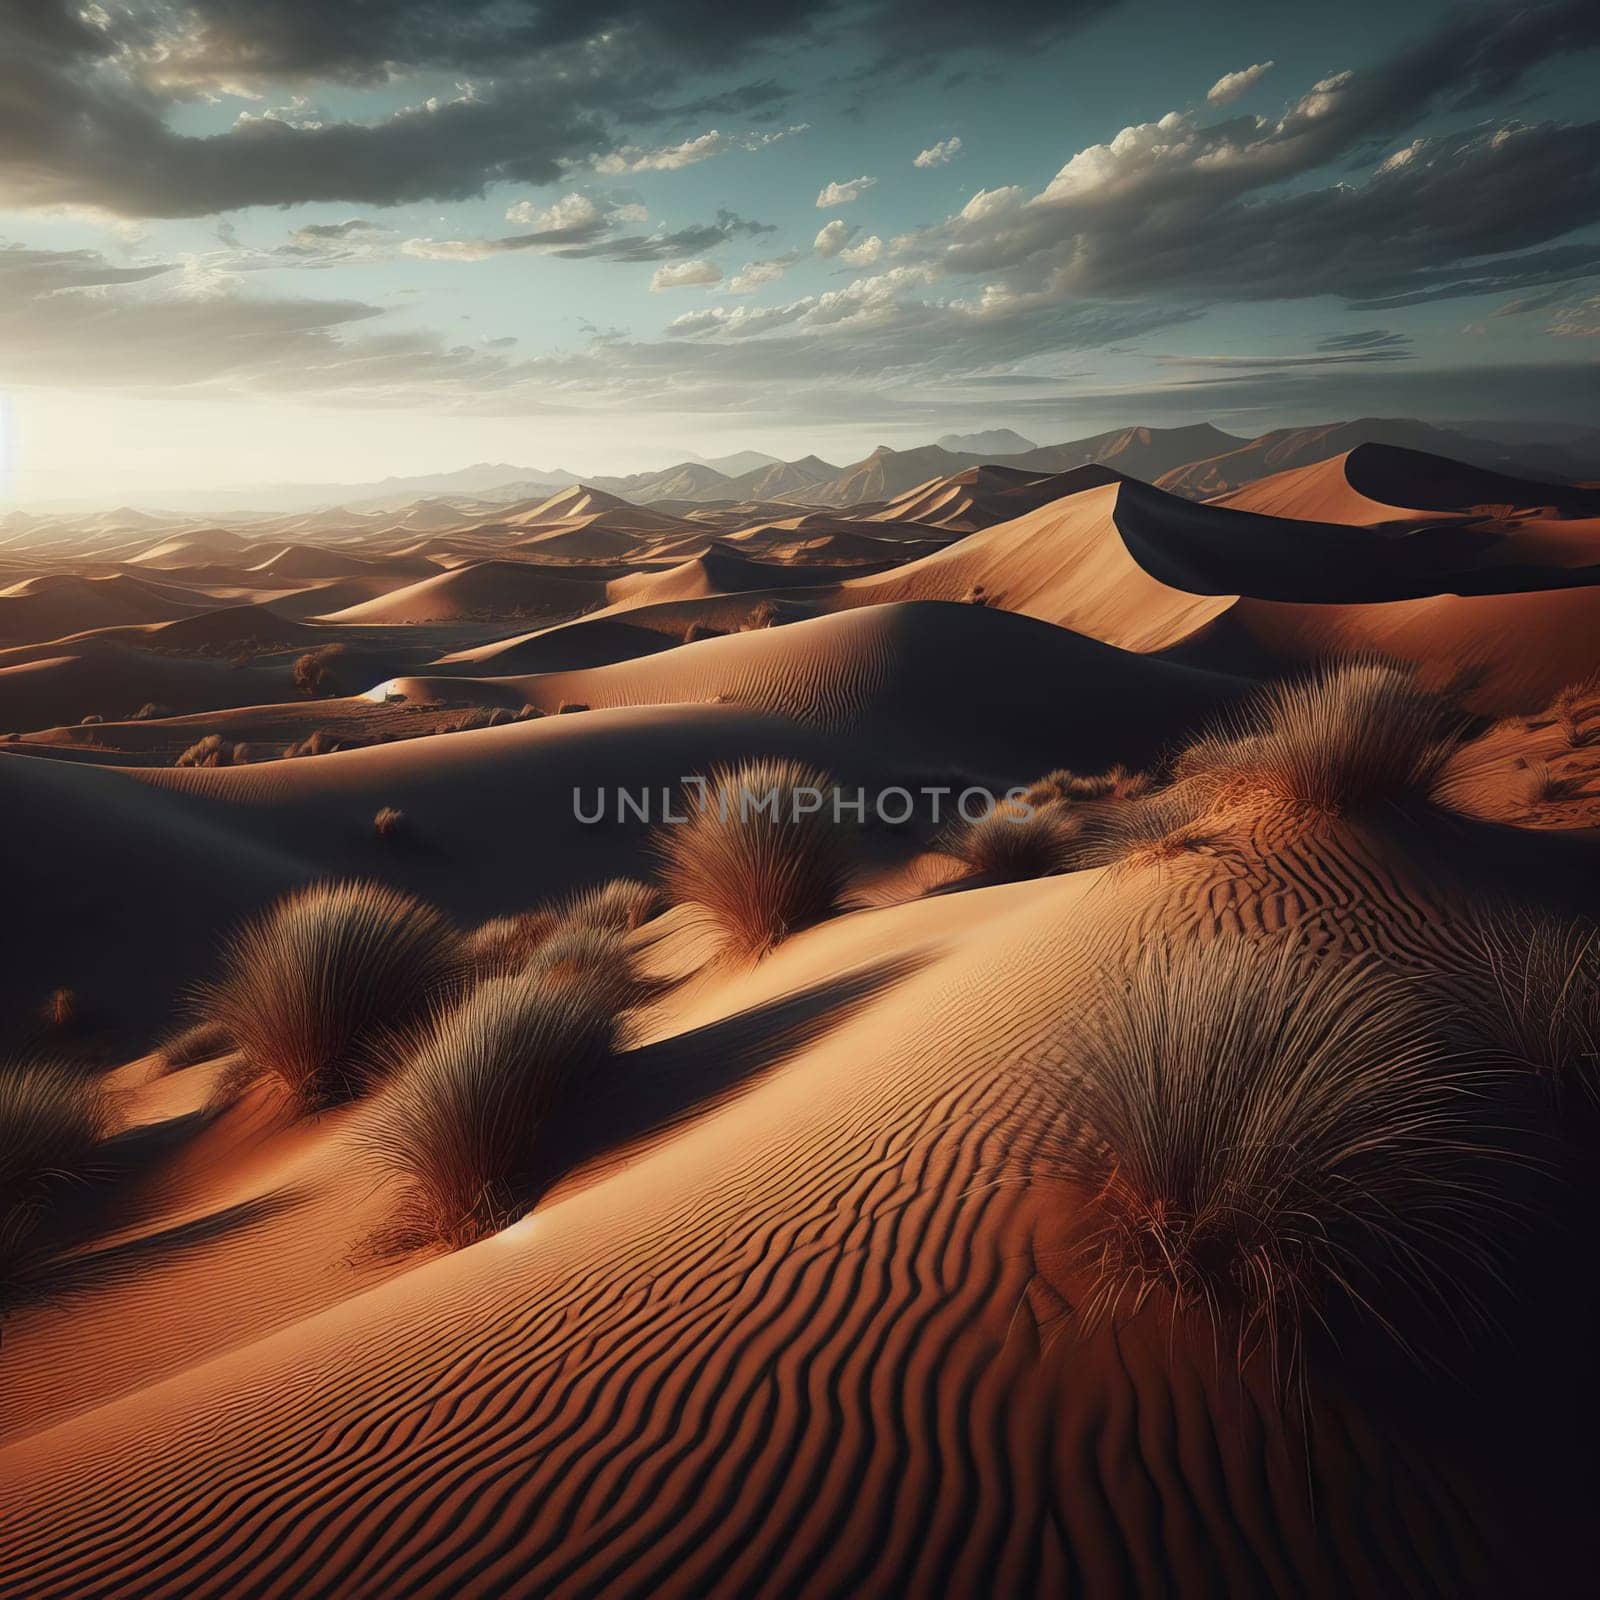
504	944
459	1121
207	752
1355	735
316	991
60	1009
1262	1135
51	1120
1064	785
1575	706
752	858
1538	995
203	1041
1013	841
624	903
390	823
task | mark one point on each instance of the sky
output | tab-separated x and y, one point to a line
266	241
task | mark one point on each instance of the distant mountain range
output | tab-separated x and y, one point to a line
1197	461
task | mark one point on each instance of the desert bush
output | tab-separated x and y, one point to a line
1570	714
568	706
60	1009
1533	991
242	753
152	711
624	903
459	1121
1157	828
323	742
1261	1134
529	714
756	874
201	1041
51	1120
696	631
1115	783
207	752
764	614
316	991
1012	841
389	823
91	720
314	672
1355	734
977	595
504	944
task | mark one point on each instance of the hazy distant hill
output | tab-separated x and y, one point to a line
993	442
1286	448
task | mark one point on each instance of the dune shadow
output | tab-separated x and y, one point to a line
61	1276
667	1084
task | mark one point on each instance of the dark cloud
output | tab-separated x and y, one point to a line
590	233
85	105
1369	339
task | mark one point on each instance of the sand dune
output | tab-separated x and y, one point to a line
796	1294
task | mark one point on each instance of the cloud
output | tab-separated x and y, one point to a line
865	254
1581	321
685	274
672	158
940	154
1233	84
844	194
335	230
1232	209
90	94
577	228
756	275
833	236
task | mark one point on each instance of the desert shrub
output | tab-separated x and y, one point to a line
51	1120
595	955
202	1041
750	860
529	714
91	720
1012	841
60	1009
1533	990
459	1121
567	706
242	753
977	595
207	752
323	742
389	823
152	711
764	614
1261	1134
504	944
624	903
1569	709
697	631
1157	828
1116	783
1355	734
314	672
316	990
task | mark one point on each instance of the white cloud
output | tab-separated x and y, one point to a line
988	203
940	154
684	275
571	211
674	157
756	275
864	254
833	236
843	194
1233	84
453	249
